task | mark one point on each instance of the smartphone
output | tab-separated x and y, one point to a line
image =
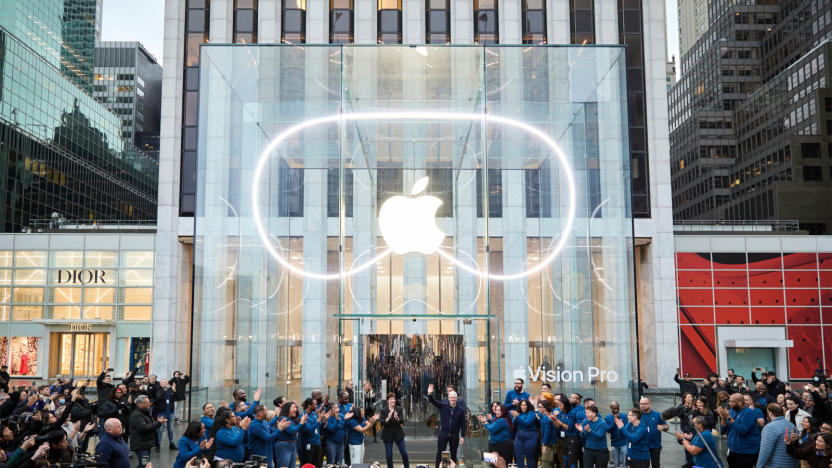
446	458
489	458
198	461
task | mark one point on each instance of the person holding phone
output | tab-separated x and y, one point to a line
392	419
192	444
452	424
499	431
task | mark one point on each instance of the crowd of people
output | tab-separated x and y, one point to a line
772	424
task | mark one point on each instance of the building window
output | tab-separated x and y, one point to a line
582	21
245	21
340	21
539	192
495	193
293	29
630	34
333	201
389	21
197	14
486	29
290	201
810	150
534	21
812	173
438	22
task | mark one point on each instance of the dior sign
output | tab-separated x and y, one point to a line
82	277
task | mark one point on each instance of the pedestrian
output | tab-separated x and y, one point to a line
740	425
392	418
773	439
229	436
289	424
452	424
655	426
111	450
593	431
310	434
143	430
335	433
526	434
617	441
817	455
192	444
701	445
499	431
357	428
549	435
635	432
163	407
516	394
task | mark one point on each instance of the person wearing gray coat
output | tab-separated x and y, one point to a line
773	441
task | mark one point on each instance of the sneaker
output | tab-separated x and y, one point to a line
173	447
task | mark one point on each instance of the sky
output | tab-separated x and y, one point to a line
143	21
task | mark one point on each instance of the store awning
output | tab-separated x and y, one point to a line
759	343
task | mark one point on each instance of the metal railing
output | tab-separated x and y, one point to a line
61	224
696	225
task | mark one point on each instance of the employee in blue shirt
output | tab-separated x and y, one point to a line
548	435
635	432
499	432
655	425
191	444
513	397
335	434
310	435
570	439
700	444
261	435
740	424
617	441
527	435
594	433
230	437
452	424
288	426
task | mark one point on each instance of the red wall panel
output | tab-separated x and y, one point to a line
697	349
695	279
807	349
766	279
768	315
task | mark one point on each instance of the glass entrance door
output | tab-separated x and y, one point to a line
83	355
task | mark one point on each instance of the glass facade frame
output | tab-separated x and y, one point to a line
278	324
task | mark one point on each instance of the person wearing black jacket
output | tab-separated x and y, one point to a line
163	407
143	430
8	406
392	418
5	378
180	382
452	424
104	385
687	385
710	389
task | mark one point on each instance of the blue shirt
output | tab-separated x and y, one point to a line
249	412
498	430
596	437
310	433
704	459
261	438
229	442
355	436
548	432
512	395
651	421
334	430
526	421
290	433
743	433
569	420
636	436
188	449
208	422
616	439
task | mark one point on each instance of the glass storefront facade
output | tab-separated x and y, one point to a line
81	302
316	256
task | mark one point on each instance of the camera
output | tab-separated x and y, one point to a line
257	461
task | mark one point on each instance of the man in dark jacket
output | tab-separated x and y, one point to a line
111	448
180	382
163	407
5	378
687	385
143	430
453	425
104	385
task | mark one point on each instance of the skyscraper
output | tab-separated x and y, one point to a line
749	133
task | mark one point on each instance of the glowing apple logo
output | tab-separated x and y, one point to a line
408	224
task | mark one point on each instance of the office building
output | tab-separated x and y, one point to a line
671	73
693	22
129	82
325	294
63	155
748	117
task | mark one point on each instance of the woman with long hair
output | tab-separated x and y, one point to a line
499	427
722	400
357	427
526	435
230	433
701	409
191	444
817	454
570	440
288	424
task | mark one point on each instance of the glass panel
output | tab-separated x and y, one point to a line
66	354
6	276
98	295
137	259
5	258
26	313
66	312
68	258
138	295
5	295
98	312
67	295
30	258
137	277
105	259
141	313
25	277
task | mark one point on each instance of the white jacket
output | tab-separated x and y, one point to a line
798	419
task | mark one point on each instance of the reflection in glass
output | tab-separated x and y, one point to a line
389	21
